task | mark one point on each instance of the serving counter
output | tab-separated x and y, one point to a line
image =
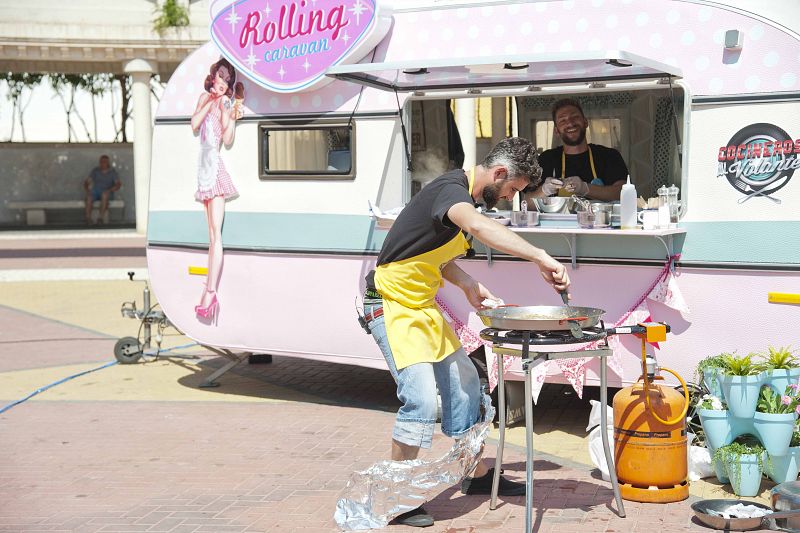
599	243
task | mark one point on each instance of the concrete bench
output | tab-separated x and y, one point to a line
35	211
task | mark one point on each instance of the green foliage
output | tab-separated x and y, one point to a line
170	15
730	455
740	366
709	401
18	81
710	362
771	402
781	358
795	437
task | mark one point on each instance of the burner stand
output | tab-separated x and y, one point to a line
532	347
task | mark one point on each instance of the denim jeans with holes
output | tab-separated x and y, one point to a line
456	379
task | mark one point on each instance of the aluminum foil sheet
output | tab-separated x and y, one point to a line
375	496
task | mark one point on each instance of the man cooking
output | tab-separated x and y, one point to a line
420	348
577	167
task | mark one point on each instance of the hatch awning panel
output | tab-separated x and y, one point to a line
498	71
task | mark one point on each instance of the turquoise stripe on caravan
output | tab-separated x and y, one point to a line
269	231
735	242
774	242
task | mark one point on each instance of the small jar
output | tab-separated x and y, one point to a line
663	207
672	202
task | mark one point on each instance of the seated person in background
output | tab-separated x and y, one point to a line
587	170
102	181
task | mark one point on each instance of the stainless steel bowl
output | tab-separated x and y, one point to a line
524	218
786	497
553	204
602	214
585	219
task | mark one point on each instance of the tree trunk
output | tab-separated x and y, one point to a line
94	117
113	109
22	109
13	118
125	104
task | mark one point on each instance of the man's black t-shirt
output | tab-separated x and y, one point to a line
423	225
608	163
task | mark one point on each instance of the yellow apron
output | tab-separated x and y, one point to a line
415	327
564	164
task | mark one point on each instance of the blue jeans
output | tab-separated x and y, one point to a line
458	384
97	194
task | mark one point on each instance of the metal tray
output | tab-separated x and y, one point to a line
540	317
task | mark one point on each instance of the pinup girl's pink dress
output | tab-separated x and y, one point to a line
212	178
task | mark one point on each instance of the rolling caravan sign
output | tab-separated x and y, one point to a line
288	45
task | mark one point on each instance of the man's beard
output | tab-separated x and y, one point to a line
578	141
491	195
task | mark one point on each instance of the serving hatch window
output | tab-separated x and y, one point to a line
318	151
641	124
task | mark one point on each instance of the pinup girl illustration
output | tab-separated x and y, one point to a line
215	119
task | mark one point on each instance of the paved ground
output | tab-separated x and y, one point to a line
142	448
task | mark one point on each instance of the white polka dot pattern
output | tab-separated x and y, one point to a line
679	33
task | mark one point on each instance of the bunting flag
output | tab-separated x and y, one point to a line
664	289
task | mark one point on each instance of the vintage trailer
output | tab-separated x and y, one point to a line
349	103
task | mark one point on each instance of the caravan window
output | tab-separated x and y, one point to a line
639	123
319	151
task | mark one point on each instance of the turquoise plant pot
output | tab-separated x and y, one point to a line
719	468
780	379
745	474
741	393
710	381
774	431
718	427
783	468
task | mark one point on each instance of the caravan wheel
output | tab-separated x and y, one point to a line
127	350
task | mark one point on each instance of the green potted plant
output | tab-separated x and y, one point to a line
782	367
707	371
741	382
775	418
744	462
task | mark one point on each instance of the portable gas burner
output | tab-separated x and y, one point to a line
532	346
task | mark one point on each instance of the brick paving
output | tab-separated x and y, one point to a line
71	464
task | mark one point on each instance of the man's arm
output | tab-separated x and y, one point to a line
607	193
117	185
475	292
500	238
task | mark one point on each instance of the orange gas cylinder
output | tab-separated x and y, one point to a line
650	441
649	455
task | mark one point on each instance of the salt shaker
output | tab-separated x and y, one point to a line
663	207
672	202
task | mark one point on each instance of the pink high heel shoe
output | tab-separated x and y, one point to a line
211	310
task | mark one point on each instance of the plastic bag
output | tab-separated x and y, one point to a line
596	453
698	460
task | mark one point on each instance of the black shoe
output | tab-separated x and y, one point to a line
483	485
418	517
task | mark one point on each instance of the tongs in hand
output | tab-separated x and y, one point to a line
574	322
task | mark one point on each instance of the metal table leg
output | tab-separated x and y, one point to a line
526	365
612	471
501	406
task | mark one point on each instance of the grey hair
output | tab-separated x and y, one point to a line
518	155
